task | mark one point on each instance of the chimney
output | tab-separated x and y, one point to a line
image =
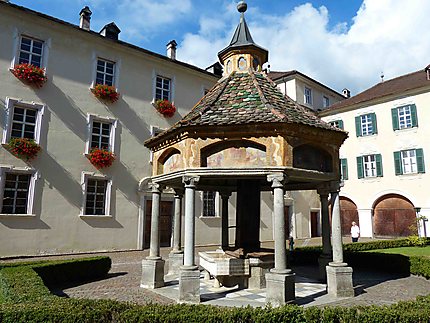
346	93
110	31
84	22
171	49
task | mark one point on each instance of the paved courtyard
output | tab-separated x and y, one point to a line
123	283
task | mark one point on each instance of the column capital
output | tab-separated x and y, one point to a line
190	181
335	186
155	187
278	180
179	192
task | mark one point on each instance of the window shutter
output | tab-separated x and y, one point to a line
395	118
358	126
360	172
378	159
398	163
374	124
344	165
414	115
340	122
420	160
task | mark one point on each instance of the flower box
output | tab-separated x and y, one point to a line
106	92
101	158
165	107
30	74
23	148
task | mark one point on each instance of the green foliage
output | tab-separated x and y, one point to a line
417	241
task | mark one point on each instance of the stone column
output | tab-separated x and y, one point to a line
224	220
326	255
176	256
339	275
280	281
153	266
189	275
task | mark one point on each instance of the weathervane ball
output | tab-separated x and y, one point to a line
242	6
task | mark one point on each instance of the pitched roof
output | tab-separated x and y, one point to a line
244	98
394	86
277	75
96	34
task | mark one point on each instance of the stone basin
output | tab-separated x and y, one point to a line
217	263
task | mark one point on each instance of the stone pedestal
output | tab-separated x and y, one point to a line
176	260
189	285
280	288
258	270
152	273
339	280
323	261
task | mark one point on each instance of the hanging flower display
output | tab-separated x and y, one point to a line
106	92
31	74
165	107
101	158
23	148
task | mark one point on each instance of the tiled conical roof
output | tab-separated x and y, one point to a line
244	98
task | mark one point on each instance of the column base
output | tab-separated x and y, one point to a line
176	260
280	288
323	261
152	273
339	280
189	285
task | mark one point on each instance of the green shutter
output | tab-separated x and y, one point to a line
360	172
374	124
344	165
398	163
414	115
395	118
358	126
378	159
420	160
340	122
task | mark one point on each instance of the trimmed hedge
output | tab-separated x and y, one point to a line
25	298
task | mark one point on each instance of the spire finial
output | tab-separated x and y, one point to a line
242	6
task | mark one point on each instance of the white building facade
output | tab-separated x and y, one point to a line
385	159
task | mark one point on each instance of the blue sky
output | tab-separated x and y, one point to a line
342	43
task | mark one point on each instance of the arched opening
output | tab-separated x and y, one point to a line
234	153
394	216
348	214
170	161
313	158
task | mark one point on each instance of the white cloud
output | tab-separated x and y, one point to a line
384	36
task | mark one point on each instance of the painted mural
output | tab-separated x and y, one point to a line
237	157
174	162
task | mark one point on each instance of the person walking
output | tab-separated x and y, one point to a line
355	232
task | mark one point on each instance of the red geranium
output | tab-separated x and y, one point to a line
165	107
106	92
101	158
23	148
30	74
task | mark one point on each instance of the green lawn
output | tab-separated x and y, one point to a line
408	251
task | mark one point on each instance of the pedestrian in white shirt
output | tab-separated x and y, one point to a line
355	232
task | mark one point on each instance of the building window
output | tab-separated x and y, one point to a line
337	124
17	190
101	133
343	169
97	192
30	51
409	161
365	125
369	166
162	88
326	101
23	120
308	96
105	72
404	117
209	200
